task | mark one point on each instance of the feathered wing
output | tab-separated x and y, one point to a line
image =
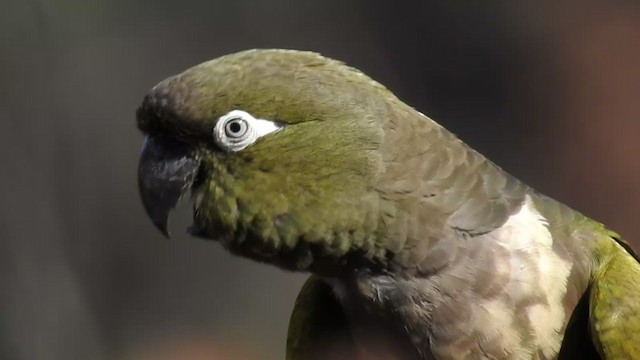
614	306
318	328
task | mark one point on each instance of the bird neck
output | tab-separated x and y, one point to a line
436	189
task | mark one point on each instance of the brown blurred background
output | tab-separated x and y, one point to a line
550	90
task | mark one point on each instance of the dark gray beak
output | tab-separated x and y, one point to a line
167	170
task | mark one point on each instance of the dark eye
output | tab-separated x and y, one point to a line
236	128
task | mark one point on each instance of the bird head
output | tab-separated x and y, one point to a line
279	151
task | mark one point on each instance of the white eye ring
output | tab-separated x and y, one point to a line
238	129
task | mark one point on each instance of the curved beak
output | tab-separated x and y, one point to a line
166	171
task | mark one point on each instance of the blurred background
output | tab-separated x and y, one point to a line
550	90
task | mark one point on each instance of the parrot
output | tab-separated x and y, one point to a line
416	246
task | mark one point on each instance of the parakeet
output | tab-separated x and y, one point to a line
417	246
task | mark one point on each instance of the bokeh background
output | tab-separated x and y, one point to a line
548	89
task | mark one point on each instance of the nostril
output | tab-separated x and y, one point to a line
145	114
157	108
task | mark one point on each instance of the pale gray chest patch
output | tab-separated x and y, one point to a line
536	272
447	316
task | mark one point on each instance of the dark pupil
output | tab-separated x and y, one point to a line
235	127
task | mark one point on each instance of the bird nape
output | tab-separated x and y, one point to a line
417	246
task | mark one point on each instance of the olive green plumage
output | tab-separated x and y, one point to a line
420	247
614	304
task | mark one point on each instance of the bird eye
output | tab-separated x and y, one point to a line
239	129
236	128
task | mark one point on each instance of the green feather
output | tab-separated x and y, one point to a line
363	191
